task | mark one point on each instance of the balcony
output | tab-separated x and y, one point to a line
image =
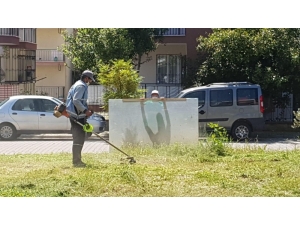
49	56
9	36
22	38
9	32
175	32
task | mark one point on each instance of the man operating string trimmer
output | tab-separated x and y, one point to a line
77	108
77	111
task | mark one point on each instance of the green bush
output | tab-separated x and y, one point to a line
120	80
217	140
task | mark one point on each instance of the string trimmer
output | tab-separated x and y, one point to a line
61	110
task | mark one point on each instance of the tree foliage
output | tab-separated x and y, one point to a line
88	46
144	41
270	57
190	67
120	80
296	122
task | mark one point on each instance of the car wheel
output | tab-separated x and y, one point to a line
7	131
241	131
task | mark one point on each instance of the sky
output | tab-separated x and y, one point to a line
143	14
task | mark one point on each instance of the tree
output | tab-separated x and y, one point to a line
190	69
269	57
120	81
87	46
144	40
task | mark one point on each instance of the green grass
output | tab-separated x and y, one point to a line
175	170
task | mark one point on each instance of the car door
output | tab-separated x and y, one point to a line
201	95
25	113
47	121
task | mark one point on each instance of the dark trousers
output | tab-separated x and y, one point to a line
78	135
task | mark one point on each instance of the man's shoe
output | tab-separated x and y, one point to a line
79	164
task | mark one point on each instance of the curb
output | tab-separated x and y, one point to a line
104	135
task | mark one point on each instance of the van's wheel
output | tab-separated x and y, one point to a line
241	131
7	132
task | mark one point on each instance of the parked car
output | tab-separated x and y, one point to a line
236	106
33	114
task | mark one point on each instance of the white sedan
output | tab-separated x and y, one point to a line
33	114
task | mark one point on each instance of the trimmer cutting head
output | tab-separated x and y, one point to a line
131	160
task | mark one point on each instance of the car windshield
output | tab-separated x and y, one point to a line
177	96
57	100
3	102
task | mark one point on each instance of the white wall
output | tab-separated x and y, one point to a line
127	126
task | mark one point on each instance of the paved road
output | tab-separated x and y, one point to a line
46	144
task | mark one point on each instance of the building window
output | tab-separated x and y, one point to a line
168	69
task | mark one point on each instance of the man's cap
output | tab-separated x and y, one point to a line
89	74
155	92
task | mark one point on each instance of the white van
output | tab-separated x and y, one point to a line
236	106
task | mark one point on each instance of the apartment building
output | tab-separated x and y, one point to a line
17	61
166	65
53	70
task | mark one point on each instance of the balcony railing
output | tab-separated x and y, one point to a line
27	35
175	32
9	31
49	55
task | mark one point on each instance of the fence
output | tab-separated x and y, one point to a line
8	90
275	114
165	90
272	114
57	92
95	94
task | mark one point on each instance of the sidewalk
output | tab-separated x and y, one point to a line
49	147
51	143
